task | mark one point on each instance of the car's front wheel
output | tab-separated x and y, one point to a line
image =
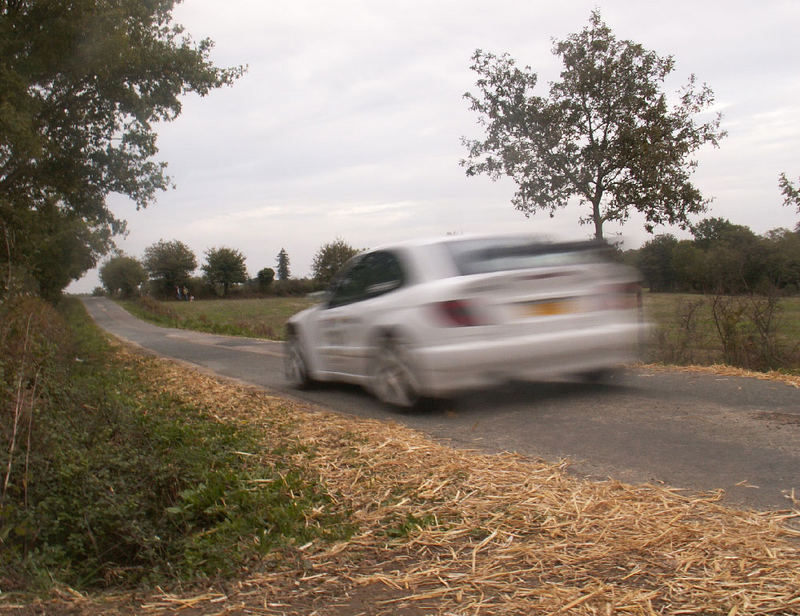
393	381
295	367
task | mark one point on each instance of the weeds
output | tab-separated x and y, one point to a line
677	341
745	331
107	482
748	331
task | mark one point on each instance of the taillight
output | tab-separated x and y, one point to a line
456	313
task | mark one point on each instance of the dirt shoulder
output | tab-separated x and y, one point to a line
447	531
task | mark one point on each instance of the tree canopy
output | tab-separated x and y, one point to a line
224	266
265	277
330	258
604	134
122	274
82	84
169	264
722	258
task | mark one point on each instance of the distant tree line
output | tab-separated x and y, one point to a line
167	270
722	257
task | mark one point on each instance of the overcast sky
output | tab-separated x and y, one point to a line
349	120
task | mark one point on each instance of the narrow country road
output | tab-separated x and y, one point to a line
685	429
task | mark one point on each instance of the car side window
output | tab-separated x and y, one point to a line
351	286
385	273
374	274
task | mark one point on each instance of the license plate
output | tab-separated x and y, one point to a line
549	308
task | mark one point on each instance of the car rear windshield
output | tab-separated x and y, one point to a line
481	256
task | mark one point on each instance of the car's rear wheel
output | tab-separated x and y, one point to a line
295	367
393	381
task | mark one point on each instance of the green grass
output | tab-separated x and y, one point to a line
255	318
114	482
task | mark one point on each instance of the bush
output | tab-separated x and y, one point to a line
747	327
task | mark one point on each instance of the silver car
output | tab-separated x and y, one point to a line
427	319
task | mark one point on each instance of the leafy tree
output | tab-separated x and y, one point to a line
283	265
736	258
224	266
710	231
58	247
783	260
656	264
791	193
82	84
265	277
605	133
169	264
688	264
122	274
330	258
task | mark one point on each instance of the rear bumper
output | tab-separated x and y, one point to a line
478	363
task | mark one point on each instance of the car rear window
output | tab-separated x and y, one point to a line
481	256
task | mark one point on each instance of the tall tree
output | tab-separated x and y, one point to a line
224	266
330	258
605	133
122	274
82	84
283	265
169	264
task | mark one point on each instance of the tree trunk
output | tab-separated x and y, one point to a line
598	221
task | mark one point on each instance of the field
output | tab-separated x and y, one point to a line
254	318
753	333
759	333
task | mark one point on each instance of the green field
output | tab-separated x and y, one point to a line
684	329
255	318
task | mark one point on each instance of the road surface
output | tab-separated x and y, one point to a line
689	430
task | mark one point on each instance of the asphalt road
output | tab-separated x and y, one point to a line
688	430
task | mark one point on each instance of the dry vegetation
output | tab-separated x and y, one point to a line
443	531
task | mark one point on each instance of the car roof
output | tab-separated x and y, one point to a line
445	239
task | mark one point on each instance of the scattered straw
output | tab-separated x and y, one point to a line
452	532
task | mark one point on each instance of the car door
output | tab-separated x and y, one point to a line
348	289
381	274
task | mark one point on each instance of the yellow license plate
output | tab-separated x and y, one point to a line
540	309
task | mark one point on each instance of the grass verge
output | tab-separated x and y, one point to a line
111	479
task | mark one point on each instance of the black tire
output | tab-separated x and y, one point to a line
295	367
